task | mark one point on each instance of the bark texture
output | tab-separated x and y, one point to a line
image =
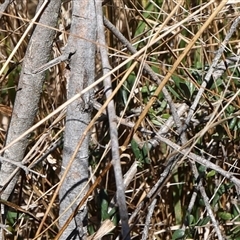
3	6
29	91
81	74
113	128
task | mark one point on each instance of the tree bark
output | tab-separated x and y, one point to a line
3	6
81	42
29	91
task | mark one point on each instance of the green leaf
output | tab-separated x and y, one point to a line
113	215
225	216
211	173
202	169
191	219
145	89
221	189
91	229
136	150
163	106
177	191
185	90
178	234
230	109
215	199
155	68
125	93
145	151
11	217
104	204
165	116
204	221
131	80
232	123
238	124
235	213
141	26
156	122
174	93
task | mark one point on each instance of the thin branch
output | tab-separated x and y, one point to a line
200	160
20	165
156	188
62	58
130	174
148	219
53	146
147	68
166	174
215	72
113	126
5	227
206	203
210	73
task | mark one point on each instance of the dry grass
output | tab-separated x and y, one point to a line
141	23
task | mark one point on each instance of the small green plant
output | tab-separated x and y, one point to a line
141	154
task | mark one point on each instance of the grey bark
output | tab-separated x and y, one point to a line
3	6
29	91
113	128
81	74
